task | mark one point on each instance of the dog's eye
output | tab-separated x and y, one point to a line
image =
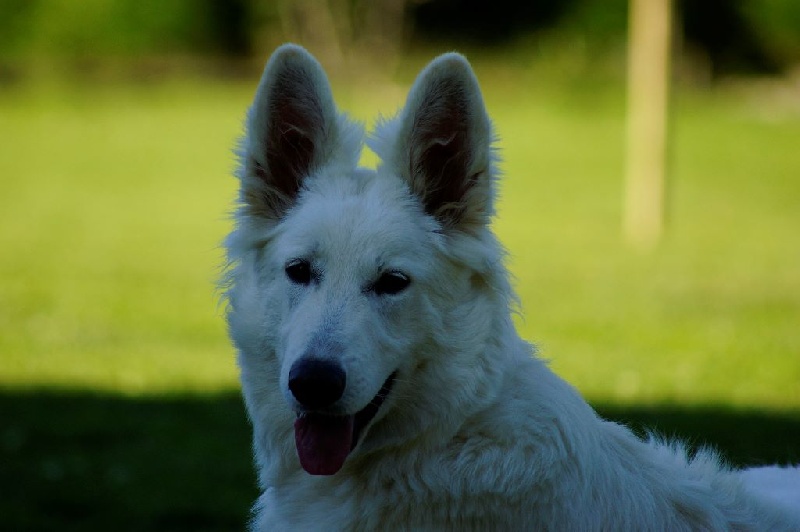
298	271
391	283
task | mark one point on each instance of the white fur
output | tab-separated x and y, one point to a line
477	432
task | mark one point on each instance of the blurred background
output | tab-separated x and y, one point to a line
119	401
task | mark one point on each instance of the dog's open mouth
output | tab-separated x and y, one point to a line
324	441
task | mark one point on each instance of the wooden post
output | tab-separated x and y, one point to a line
649	43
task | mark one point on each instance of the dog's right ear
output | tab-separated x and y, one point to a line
292	129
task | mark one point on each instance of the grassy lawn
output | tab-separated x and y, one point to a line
118	387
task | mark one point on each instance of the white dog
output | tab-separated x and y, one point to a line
381	370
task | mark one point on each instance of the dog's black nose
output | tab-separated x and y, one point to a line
316	383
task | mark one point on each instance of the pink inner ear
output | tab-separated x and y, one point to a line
444	165
440	152
294	125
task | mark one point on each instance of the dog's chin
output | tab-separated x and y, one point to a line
324	441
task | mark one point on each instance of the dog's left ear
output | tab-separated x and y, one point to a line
442	144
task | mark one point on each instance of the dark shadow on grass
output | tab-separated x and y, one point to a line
744	437
89	461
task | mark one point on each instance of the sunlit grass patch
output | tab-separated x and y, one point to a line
115	201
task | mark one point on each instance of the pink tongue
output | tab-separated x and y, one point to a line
323	442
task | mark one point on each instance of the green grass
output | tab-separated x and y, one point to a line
118	385
711	316
115	202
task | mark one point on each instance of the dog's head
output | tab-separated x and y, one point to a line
362	301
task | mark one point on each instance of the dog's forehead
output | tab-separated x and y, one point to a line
346	220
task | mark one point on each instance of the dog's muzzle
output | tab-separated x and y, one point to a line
324	441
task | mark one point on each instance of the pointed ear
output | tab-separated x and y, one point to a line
292	129
442	144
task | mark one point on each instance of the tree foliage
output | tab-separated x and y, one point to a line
733	36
